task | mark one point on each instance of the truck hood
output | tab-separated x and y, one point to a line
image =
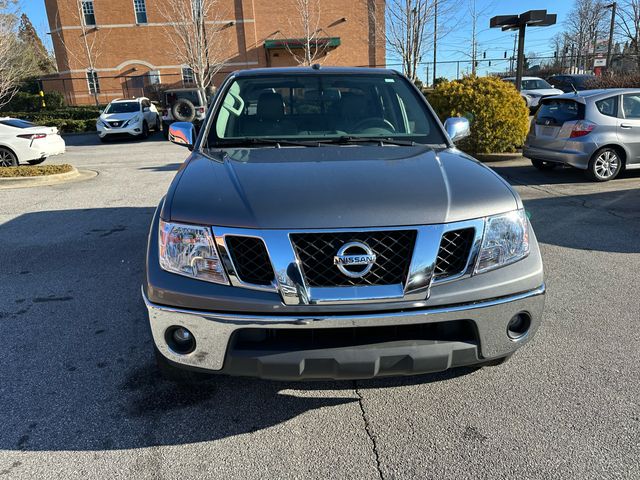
335	187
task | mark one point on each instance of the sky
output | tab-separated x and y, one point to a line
454	46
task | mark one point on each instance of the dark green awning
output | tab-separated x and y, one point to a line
298	43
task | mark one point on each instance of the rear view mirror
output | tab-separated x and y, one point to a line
457	128
182	133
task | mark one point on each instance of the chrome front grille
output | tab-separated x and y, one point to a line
453	253
314	267
316	251
251	260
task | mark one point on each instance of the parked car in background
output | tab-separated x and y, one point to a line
594	130
128	117
25	142
325	226
566	83
183	105
533	89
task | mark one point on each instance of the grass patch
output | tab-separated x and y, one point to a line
33	170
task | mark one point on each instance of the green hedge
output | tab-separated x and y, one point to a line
499	118
67	119
69	126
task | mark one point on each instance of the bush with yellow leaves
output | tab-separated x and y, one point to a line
499	117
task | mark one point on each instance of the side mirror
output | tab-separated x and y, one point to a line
457	128
182	133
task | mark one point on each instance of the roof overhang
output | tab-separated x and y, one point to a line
299	43
532	18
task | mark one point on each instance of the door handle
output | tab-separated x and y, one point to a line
625	125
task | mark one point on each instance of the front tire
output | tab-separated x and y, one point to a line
145	130
605	165
8	158
542	165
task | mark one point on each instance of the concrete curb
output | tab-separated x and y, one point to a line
498	157
22	182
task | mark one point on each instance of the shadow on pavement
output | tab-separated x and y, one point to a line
78	371
528	175
169	167
607	221
92	139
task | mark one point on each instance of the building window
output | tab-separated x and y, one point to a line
140	7
187	75
93	81
154	77
88	12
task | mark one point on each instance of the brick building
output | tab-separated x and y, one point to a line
122	48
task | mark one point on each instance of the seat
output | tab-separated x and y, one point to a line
270	119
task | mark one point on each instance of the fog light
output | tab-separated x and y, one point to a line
180	340
518	326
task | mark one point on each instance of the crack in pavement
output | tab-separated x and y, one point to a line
367	429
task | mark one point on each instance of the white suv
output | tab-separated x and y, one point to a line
134	117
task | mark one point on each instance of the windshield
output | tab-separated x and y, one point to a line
123	107
536	84
323	107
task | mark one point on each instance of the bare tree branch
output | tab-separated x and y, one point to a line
199	37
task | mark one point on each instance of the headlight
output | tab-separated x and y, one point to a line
133	120
505	240
190	250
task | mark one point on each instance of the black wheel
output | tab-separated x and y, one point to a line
145	129
605	165
183	110
36	162
165	130
176	374
158	124
542	165
8	158
104	139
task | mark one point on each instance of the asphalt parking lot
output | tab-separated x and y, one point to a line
80	396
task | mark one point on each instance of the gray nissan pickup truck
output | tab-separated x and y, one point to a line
325	226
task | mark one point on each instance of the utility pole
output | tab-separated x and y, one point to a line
611	27
435	40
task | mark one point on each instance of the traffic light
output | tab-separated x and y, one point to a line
505	54
484	54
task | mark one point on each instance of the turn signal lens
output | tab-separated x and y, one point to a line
33	136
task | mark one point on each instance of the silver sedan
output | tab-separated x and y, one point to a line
594	130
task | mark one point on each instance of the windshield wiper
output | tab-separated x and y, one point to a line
346	140
266	141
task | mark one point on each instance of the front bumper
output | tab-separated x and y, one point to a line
131	130
215	346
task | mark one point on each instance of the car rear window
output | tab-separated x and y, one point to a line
17	123
608	106
556	112
191	95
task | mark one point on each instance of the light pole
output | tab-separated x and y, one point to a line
435	40
612	6
532	18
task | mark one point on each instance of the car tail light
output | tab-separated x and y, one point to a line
582	128
33	136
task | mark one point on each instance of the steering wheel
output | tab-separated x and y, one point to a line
374	123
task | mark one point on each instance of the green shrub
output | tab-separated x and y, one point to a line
23	102
65	125
53	100
499	118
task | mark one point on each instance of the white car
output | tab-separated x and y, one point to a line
134	117
25	142
534	89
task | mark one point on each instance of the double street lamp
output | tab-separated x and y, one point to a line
532	18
